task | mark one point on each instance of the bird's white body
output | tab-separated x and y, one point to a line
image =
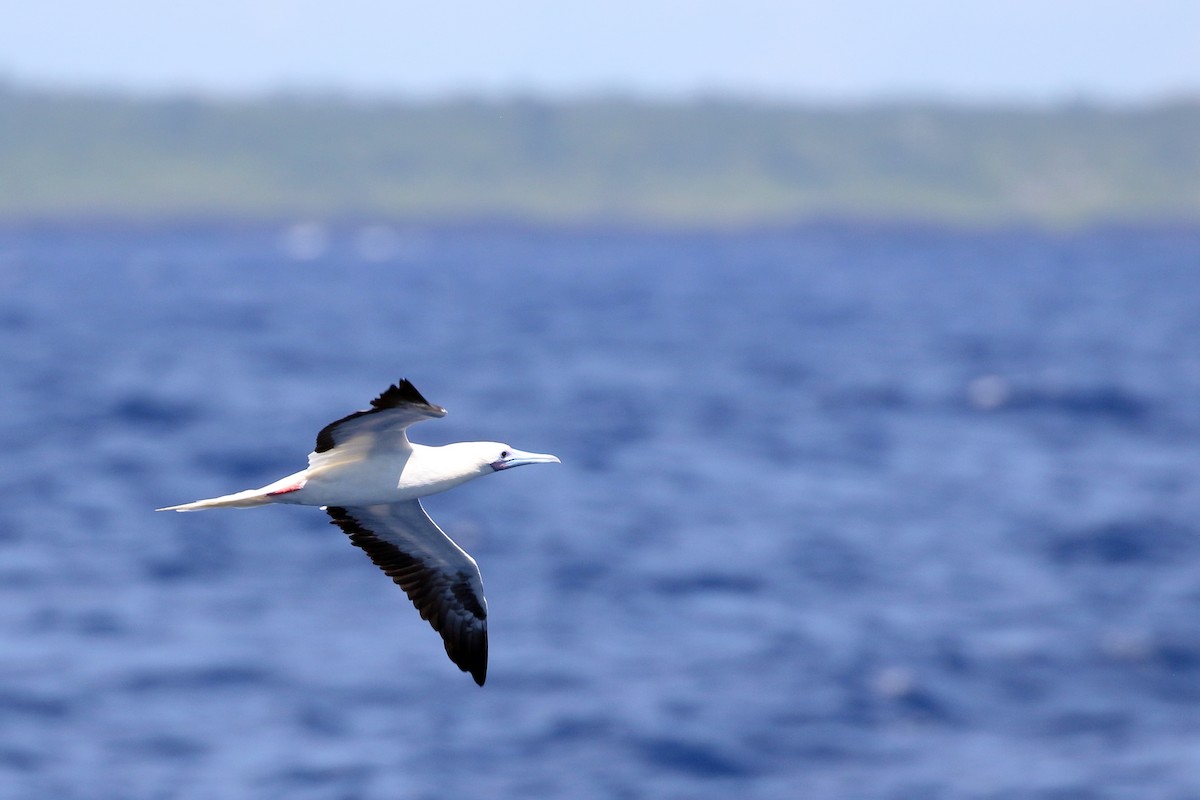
393	477
369	478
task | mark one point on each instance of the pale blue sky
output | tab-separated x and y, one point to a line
981	50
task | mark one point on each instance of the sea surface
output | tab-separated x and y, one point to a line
843	512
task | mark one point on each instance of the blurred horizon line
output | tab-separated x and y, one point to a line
316	93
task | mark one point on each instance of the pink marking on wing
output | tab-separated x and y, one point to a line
289	489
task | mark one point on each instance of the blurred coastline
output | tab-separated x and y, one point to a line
719	162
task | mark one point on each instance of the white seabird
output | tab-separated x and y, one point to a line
369	478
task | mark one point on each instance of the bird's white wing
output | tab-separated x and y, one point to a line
382	425
439	577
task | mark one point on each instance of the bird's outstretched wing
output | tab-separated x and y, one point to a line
439	577
399	406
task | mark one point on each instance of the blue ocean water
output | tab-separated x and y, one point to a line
843	512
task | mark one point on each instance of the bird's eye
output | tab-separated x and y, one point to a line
504	454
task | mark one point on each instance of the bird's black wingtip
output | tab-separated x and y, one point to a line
399	393
402	393
475	663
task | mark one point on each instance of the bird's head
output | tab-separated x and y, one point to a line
500	456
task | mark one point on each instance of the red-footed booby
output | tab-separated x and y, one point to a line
369	478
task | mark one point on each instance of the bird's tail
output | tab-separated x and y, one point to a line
246	499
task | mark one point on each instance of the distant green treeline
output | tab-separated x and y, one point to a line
716	162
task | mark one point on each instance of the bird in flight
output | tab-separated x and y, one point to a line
369	478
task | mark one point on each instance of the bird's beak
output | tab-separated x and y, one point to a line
517	458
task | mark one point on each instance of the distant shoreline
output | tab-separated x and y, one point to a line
725	164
